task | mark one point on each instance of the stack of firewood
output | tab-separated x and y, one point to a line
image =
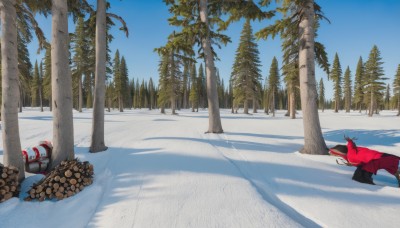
9	185
65	180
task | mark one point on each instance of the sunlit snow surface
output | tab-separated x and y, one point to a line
163	171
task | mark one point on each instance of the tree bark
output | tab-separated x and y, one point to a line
41	97
21	97
273	103
98	144
371	107
10	88
292	104
398	105
246	106
80	94
120	103
254	105
61	81
214	119
313	141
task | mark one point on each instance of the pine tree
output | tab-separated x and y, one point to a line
266	99
118	81
387	97
88	89
137	94
359	85
185	93
47	76
321	95
35	86
274	83
151	94
246	74
124	90
336	75
41	86
24	69
396	88
302	17
163	82
374	78
347	90
194	91
201	87
80	60
198	20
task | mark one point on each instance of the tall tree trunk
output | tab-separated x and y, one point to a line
10	91
61	81
337	104
98	144
51	104
109	104
371	107
41	98
273	103
214	119
21	97
162	110
398	105
254	105
80	94
120	103
246	106
313	141
292	104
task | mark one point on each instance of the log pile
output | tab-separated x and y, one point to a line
9	186
65	180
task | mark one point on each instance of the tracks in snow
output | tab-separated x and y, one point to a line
262	186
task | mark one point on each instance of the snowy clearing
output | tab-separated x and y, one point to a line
163	171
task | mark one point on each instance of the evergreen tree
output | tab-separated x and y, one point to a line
163	82
387	97
88	88
198	20
24	69
151	94
302	16
246	74
35	86
41	86
137	94
374	78
80	60
347	90
266	98
201	87
194	89
274	83
124	89
118	81
47	76
321	95
336	75
142	94
359	85
396	88
185	94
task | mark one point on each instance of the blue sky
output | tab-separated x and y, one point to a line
356	25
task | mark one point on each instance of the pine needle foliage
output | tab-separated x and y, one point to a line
375	84
347	89
336	76
246	73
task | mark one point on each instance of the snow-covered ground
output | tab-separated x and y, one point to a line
163	171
